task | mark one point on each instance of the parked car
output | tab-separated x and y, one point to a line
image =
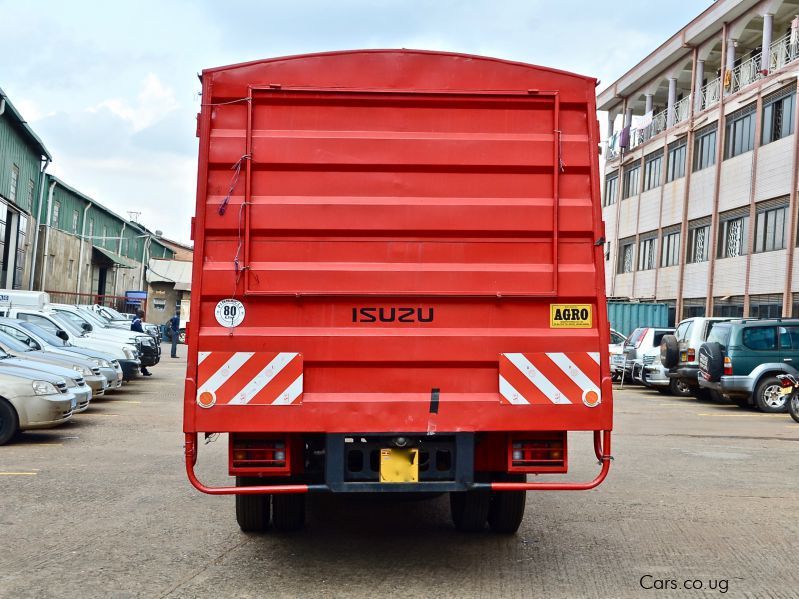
89	371
742	358
32	400
637	344
117	320
615	349
115	364
652	373
85	320
680	354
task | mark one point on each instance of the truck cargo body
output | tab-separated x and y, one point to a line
408	248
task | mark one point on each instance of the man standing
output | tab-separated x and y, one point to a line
136	326
174	327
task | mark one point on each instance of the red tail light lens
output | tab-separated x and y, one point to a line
727	366
691	355
538	452
250	454
786	382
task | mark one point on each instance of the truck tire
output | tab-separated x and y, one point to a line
669	351
768	397
711	361
506	510
288	512
469	509
252	511
9	422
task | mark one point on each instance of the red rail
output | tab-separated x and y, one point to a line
601	448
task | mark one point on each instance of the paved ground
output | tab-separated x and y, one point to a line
698	492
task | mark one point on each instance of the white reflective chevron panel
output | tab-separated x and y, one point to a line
249	378
550	378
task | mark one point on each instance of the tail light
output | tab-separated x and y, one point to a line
691	355
641	338
538	452
727	366
254	454
785	382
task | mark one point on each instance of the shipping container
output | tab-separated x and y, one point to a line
398	281
625	317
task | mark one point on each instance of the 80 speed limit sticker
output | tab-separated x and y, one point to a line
229	313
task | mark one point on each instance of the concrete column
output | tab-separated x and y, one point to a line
611	123
650	99
628	118
731	53
698	85
672	102
768	26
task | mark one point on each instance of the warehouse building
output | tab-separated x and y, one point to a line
89	251
23	159
57	239
700	185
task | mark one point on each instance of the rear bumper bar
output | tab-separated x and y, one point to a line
601	449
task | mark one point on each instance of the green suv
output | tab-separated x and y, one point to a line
742	358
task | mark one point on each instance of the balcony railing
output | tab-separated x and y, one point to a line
681	110
711	93
782	52
745	73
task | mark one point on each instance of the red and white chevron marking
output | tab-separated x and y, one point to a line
550	378
248	378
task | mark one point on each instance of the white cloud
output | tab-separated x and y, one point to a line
153	103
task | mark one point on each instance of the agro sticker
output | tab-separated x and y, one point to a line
571	316
229	312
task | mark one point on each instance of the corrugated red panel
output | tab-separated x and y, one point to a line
400	220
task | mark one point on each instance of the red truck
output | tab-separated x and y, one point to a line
398	281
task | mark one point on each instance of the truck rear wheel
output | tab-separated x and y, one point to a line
469	509
288	512
252	511
506	511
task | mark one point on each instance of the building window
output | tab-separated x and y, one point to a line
56	214
739	136
19	265
732	234
729	307
770	228
765	306
626	256
611	189
778	115
12	189
705	147
630	182
675	168
70	266
652	167
29	199
698	241
670	251
75	218
646	253
693	307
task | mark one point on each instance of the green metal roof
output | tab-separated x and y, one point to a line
26	128
116	258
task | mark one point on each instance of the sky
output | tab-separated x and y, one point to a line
112	89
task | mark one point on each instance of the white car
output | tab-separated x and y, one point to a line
616	350
652	373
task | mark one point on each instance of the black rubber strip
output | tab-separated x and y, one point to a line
434	400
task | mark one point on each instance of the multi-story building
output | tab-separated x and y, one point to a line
700	186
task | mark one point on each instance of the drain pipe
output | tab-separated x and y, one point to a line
42	179
80	254
119	251
47	234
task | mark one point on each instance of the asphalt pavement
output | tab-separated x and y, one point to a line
701	501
